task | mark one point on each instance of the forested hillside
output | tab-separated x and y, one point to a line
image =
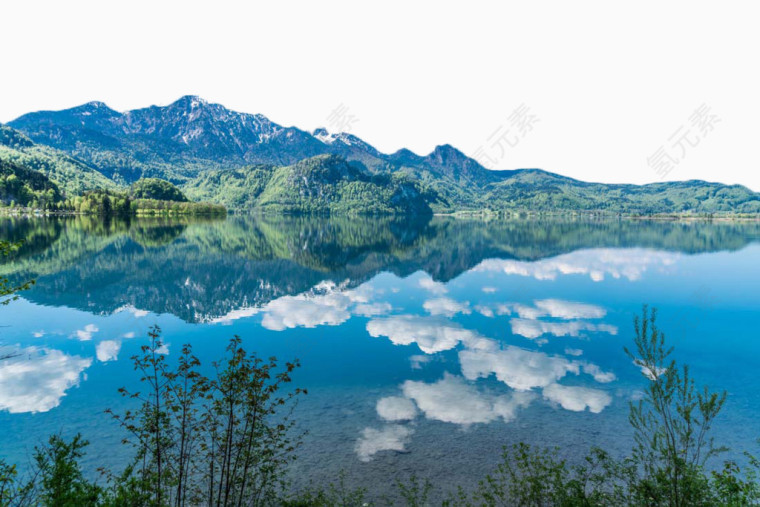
202	151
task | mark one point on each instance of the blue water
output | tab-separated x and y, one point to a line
425	346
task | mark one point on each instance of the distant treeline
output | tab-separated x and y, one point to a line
25	188
108	203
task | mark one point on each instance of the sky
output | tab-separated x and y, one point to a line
604	91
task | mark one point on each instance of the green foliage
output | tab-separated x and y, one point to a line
325	184
414	492
206	153
108	203
157	207
55	480
70	175
13	492
543	191
329	184
60	481
9	290
227	441
156	189
734	487
667	466
535	477
334	494
221	441
26	187
214	252
671	423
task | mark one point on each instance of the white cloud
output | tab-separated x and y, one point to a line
520	369
489	290
507	406
86	333
573	352
456	401
108	350
596	264
446	306
325	304
534	328
556	308
392	437
569	309
650	373
577	398
484	310
525	311
418	360
396	408
372	309
301	311
233	315
163	349
600	376
38	334
37	378
130	334
432	286
431	334
134	311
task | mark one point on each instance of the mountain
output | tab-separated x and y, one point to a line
324	184
172	142
26	187
179	141
247	161
71	175
159	190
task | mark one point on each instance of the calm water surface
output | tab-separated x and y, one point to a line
426	346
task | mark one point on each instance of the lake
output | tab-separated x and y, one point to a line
426	345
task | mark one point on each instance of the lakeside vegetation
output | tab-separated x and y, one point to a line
229	439
23	190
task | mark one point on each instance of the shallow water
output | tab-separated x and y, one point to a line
426	345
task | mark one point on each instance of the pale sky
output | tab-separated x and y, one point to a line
604	86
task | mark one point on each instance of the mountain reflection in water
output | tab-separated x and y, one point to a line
426	345
248	261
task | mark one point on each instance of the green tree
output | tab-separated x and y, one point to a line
671	423
220	441
60	479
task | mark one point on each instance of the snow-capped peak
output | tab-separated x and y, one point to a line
323	135
329	138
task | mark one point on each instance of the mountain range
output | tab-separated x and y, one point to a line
247	161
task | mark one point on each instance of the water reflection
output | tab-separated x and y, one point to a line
210	270
454	324
34	379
